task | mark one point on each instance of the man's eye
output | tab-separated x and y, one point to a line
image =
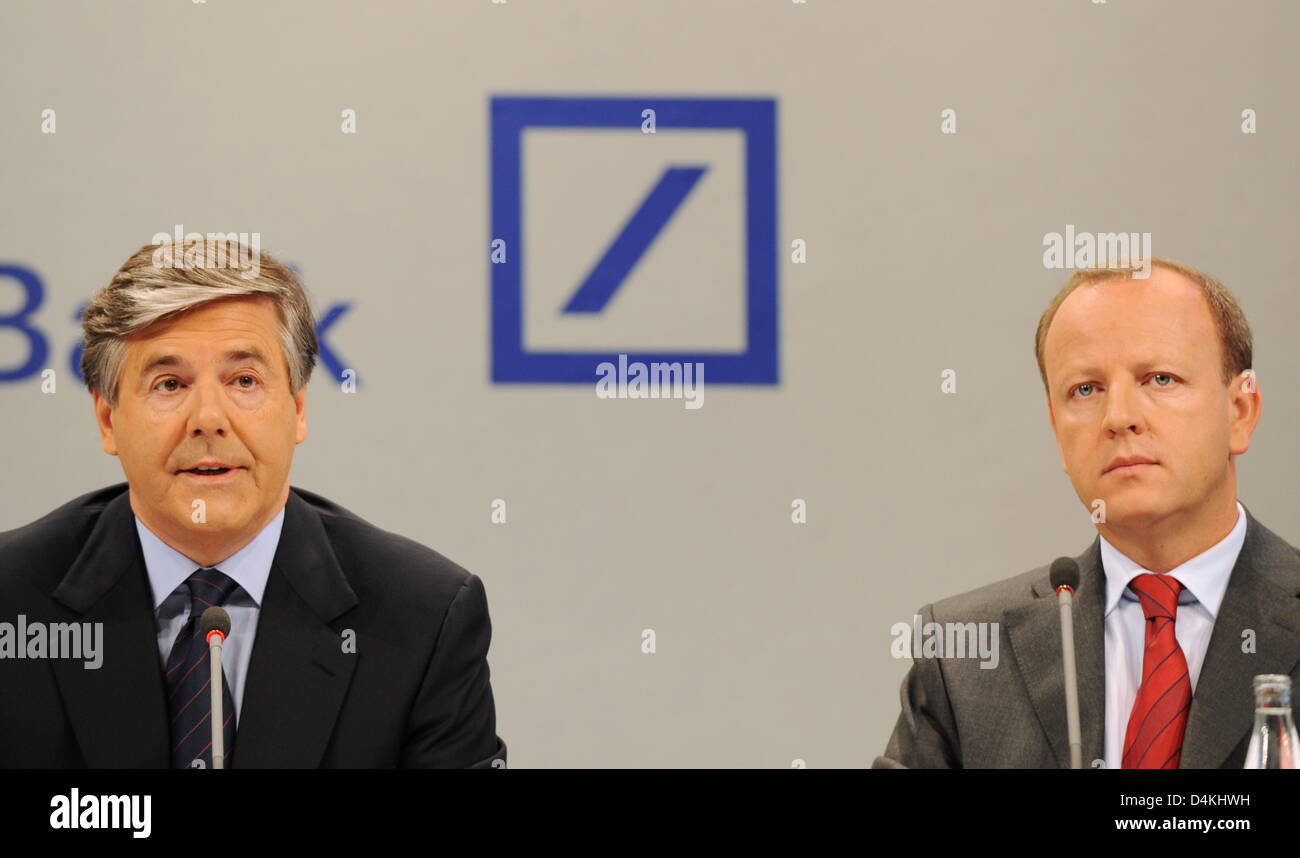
166	381
1079	389
250	378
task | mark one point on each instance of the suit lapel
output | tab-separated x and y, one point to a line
119	710
1263	596
298	672
1260	601
1034	633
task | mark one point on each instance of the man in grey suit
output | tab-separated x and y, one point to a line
1183	597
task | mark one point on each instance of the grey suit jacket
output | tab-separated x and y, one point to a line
957	715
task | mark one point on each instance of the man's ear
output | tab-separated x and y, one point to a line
1245	403
104	418
300	405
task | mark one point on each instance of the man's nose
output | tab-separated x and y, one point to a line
208	409
1123	409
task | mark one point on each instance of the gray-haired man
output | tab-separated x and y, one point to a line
349	645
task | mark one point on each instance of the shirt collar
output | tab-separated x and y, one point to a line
249	567
1204	577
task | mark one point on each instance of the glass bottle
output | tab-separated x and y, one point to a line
1273	745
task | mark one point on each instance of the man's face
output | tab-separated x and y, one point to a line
1134	368
209	386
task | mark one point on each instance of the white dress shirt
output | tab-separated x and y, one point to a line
1204	579
249	567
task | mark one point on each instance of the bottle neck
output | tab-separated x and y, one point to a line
1273	696
1273	706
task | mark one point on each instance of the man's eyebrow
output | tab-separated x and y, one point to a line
161	361
232	356
242	355
1140	366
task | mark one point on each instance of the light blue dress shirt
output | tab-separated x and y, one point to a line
249	567
1204	579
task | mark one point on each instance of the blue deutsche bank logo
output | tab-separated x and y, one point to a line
758	362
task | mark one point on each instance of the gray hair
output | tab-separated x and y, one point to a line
150	286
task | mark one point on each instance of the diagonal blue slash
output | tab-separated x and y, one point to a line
638	234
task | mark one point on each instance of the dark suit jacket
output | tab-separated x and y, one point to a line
955	714
415	692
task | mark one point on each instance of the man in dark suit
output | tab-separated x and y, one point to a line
349	646
1184	596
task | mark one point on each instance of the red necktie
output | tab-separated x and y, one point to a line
1154	739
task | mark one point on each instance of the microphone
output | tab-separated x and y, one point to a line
214	625
1065	580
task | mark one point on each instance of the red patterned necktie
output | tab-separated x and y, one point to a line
1154	739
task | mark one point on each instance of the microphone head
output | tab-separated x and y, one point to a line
1065	573
214	619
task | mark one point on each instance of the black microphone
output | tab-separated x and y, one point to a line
1065	580
214	625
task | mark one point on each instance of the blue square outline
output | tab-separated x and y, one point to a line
756	117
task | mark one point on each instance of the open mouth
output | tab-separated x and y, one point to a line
210	476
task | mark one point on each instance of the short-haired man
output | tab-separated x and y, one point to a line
349	646
1151	395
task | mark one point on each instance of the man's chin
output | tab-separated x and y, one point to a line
210	515
1134	512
